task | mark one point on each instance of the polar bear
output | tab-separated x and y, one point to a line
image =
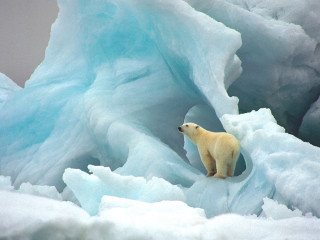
219	151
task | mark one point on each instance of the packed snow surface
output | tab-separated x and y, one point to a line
89	149
123	219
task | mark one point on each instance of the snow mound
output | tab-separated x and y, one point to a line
31	217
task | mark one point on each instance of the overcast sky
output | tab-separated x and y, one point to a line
24	33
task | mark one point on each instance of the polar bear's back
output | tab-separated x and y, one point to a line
223	145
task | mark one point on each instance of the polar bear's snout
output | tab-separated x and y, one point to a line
180	129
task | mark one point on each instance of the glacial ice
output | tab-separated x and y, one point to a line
89	90
96	124
280	54
7	87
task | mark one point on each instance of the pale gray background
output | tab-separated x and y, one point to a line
24	34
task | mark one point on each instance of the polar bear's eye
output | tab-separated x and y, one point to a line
187	125
197	127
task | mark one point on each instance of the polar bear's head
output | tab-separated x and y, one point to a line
190	130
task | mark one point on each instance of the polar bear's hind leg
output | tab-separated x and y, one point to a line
231	168
221	170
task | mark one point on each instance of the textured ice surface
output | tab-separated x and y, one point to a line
27	188
274	210
7	87
43	191
119	77
89	189
280	54
5	183
309	129
288	163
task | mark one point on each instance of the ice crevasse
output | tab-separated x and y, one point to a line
117	80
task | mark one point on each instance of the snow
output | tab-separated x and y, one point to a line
5	183
33	217
89	149
274	210
45	191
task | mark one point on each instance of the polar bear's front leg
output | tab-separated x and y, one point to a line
208	162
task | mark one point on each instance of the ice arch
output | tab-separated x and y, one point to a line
118	78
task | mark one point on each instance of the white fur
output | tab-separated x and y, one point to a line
219	151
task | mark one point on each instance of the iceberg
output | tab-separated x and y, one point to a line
93	138
101	81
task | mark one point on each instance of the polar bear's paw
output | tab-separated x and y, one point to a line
210	174
217	175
